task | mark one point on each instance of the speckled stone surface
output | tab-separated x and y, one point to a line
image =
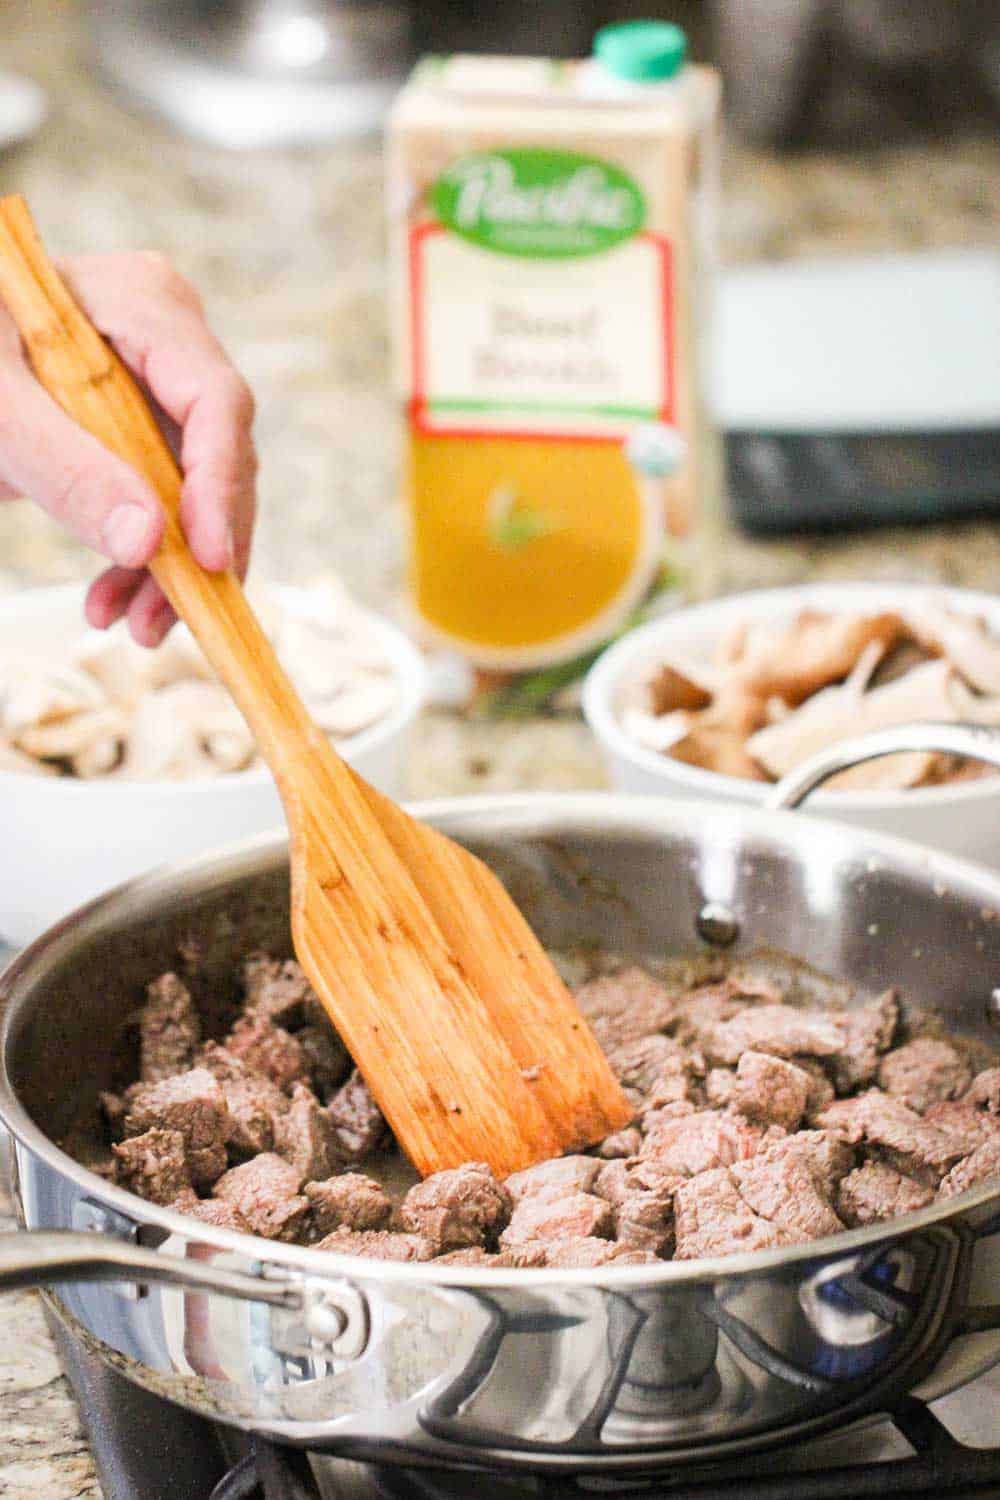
287	250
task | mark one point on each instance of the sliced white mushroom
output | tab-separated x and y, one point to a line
838	713
62	739
34	692
657	732
357	707
963	639
165	742
893	773
12	759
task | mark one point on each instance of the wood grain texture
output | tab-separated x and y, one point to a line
443	995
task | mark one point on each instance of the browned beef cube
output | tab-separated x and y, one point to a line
268	1049
458	1208
378	1244
781	1030
770	1091
526	1257
255	1103
720	1086
555	1178
154	1165
651	1068
621	1007
351	1201
472	1255
969	1126
909	1143
826	1157
622	1143
213	1211
266	1192
700	1009
359	1123
700	1142
577	1216
278	989
710	1218
875	1191
588	1251
642	1202
983	1164
821	1090
984	1090
785	1193
924	1071
169	1029
868	1032
327	1058
305	1136
192	1103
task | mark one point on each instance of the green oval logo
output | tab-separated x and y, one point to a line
538	202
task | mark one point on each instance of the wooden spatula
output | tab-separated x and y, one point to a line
452	1010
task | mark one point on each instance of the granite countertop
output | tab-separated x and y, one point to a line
287	250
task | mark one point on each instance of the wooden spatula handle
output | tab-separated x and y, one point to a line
88	380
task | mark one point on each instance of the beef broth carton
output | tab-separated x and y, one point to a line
551	237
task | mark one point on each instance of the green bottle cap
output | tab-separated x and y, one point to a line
642	51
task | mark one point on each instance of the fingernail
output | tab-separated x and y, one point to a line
126	535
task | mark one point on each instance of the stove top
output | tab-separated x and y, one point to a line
147	1449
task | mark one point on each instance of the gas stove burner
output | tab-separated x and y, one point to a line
147	1449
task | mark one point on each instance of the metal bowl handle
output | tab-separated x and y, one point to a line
976	741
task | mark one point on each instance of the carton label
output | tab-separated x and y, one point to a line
540	304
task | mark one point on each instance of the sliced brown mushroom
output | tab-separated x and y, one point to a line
810	652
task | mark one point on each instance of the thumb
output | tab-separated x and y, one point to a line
46	457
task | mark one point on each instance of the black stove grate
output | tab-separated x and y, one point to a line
147	1449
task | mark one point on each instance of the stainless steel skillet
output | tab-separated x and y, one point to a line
612	1369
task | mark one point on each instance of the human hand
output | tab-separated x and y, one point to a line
154	320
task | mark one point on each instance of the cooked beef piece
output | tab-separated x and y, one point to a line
623	1006
985	1090
588	1251
379	1244
983	1163
875	1191
359	1123
781	1030
169	1029
924	1071
459	1208
192	1103
710	1218
699	1142
266	1192
113	1108
720	1086
255	1103
268	1049
770	1091
327	1059
969	1126
784	1192
278	989
652	1070
472	1255
909	1143
554	1179
622	1143
702	1008
154	1165
576	1216
213	1211
868	1032
351	1201
642	1201
306	1137
826	1157
821	1090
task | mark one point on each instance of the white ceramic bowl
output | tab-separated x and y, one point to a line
63	841
963	819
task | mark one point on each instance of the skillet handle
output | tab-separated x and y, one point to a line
975	741
37	1258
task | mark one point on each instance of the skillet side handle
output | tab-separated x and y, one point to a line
37	1258
974	741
